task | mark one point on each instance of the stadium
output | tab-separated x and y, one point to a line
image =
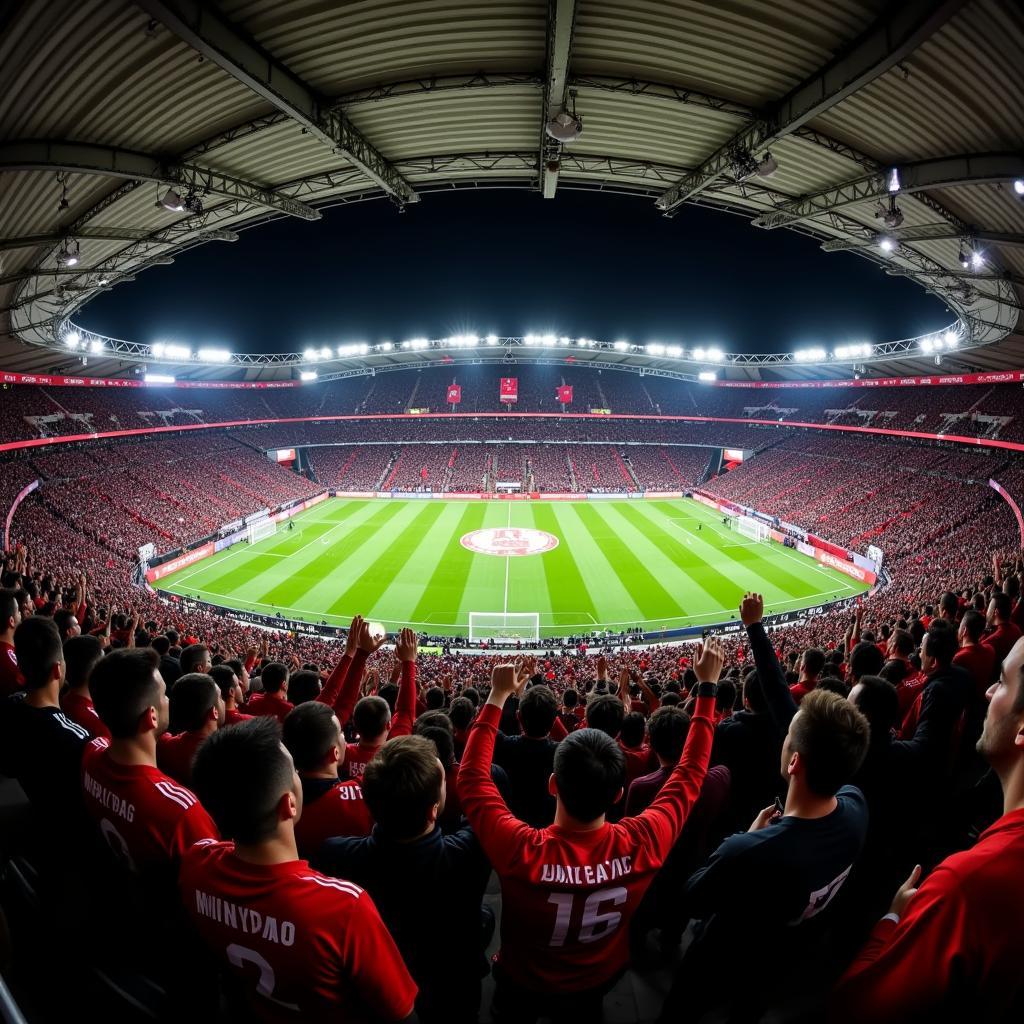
390	662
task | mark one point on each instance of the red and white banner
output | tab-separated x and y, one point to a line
54	381
827	558
1002	377
454	396
564	394
189	558
508	390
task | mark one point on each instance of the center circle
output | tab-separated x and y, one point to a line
506	541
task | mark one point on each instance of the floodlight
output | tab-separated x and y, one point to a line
977	260
565	340
886	244
214	355
892	180
69	253
698	353
386	346
72	338
715	355
492	339
707	375
767	166
621	346
309	354
308	375
564	127
927	345
103	281
548	340
171	201
95	346
810	355
325	353
1018	186
158	378
951	338
674	350
655	349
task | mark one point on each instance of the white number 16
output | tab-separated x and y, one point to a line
594	924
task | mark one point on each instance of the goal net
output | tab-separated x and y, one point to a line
262	528
504	626
754	528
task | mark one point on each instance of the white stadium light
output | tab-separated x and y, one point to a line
386	346
1018	186
886	244
892	181
492	339
977	260
859	351
565	340
214	355
655	349
585	342
951	338
548	340
810	355
95	346
529	339
308	375
158	378
325	353
698	354
564	127
674	350
309	354
707	375
72	338
171	201
715	355
621	346
166	350
419	344
927	345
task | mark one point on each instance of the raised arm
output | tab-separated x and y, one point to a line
501	834
780	701
663	820
366	644
405	707
332	689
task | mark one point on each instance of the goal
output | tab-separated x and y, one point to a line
262	528
753	528
507	626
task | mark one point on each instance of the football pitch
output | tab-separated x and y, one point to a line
581	566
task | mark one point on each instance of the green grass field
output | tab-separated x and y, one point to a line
617	564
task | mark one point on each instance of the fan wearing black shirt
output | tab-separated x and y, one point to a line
529	759
761	896
39	745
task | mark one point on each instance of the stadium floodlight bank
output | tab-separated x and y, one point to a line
753	528
262	528
506	627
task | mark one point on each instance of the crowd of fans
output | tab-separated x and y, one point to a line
974	410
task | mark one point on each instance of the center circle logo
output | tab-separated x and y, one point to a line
506	541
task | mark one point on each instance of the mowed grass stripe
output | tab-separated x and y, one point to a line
653	600
612	601
567	592
767	562
443	591
324	563
244	572
484	589
397	549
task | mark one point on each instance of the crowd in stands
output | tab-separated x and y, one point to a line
974	410
221	831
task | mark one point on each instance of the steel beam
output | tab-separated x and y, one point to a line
943	172
922	233
900	30
561	21
225	45
86	158
169	236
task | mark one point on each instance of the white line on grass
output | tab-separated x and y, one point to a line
508	560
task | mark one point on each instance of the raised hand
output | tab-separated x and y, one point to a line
352	640
905	893
367	641
708	665
602	667
503	683
407	645
751	609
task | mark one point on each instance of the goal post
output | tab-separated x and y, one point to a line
507	626
261	529
753	528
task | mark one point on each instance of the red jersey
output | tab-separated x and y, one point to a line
568	896
359	756
341	811
80	710
11	679
270	705
145	816
232	716
174	754
957	951
306	947
979	661
1002	639
639	761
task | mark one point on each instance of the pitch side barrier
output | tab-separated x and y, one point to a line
977	442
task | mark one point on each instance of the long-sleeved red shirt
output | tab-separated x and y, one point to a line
568	896
958	950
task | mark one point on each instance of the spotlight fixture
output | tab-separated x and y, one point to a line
707	376
62	179
743	163
308	375
891	216
767	166
193	203
492	339
810	355
892	180
103	282
963	256
72	338
69	253
1018	186
564	127
977	260
886	244
171	201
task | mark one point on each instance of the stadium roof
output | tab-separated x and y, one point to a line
248	110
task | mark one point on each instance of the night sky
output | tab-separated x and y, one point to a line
509	262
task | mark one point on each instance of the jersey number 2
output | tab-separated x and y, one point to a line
594	924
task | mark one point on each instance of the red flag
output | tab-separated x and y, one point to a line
454	394
564	394
423	473
508	390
